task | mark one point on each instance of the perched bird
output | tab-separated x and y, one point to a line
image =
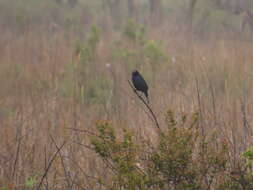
139	83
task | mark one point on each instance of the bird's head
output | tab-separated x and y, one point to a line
135	73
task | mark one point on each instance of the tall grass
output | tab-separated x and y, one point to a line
55	86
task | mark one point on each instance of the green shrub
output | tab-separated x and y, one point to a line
182	159
123	154
30	183
80	78
138	52
242	177
134	32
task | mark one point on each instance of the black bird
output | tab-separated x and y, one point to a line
139	83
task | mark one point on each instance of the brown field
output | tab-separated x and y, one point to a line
42	99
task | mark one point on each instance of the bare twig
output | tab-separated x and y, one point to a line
63	164
45	165
87	132
93	177
84	145
16	157
84	131
50	164
19	138
147	105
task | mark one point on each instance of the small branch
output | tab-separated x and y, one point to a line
16	157
84	131
45	166
50	164
84	145
147	105
63	164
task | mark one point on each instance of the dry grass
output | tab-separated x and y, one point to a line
213	77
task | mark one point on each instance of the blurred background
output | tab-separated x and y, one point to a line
65	64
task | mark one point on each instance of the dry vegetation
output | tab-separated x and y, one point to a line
58	82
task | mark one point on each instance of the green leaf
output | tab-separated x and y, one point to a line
30	182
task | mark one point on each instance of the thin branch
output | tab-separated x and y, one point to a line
84	145
16	157
84	131
63	164
49	165
87	132
147	105
45	165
